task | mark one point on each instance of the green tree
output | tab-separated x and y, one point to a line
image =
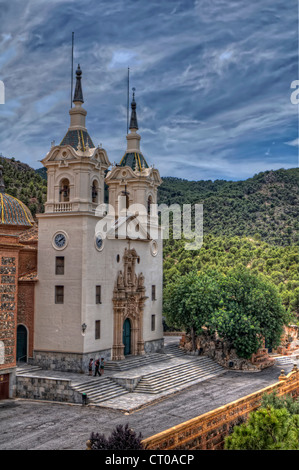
266	429
250	310
190	300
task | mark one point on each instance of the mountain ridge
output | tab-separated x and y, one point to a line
264	206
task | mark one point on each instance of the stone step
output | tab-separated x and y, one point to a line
100	389
27	369
174	350
177	376
132	362
178	370
284	360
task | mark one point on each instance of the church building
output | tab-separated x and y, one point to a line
98	291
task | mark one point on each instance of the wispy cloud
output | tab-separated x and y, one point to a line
212	80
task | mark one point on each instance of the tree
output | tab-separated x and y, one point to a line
121	438
243	308
285	401
190	300
266	429
250	310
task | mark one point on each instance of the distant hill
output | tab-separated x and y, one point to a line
262	207
24	183
42	172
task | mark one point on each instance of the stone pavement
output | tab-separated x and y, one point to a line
132	401
35	425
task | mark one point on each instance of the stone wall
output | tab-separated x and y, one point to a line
224	354
66	362
42	388
8	305
153	346
207	432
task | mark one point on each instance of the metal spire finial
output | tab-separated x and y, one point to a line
78	96
133	122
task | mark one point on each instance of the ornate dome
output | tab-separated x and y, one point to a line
135	160
14	212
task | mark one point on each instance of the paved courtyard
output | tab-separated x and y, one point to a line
33	425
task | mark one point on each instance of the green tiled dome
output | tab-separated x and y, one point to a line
14	212
72	138
134	160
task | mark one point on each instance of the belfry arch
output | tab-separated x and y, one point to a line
128	303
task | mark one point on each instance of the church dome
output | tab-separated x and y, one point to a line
14	212
135	160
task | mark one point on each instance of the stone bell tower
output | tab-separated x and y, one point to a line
69	268
75	167
137	294
132	182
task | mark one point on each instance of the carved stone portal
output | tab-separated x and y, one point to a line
128	303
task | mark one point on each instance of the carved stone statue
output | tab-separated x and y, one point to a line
120	280
140	280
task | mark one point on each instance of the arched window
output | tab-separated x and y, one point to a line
64	190
149	203
94	192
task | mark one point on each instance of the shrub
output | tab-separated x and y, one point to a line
121	438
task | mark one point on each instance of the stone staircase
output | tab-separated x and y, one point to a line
99	390
284	360
174	350
176	377
27	369
133	362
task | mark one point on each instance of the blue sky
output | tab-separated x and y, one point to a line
212	77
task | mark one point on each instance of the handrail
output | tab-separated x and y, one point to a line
19	359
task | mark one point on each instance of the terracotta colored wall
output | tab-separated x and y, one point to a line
28	260
26	310
209	430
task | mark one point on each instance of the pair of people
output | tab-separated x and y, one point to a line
98	367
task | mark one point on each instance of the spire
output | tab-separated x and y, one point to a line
78	96
2	185
133	122
77	135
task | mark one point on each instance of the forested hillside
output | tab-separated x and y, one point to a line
280	264
265	205
24	183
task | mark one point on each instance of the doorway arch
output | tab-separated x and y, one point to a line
127	336
21	343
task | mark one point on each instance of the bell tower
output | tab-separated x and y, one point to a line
70	265
75	167
133	178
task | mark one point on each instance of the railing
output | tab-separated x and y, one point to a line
208	431
63	207
19	360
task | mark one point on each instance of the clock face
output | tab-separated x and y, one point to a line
60	240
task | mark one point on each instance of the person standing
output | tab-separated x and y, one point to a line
97	366
102	364
90	366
